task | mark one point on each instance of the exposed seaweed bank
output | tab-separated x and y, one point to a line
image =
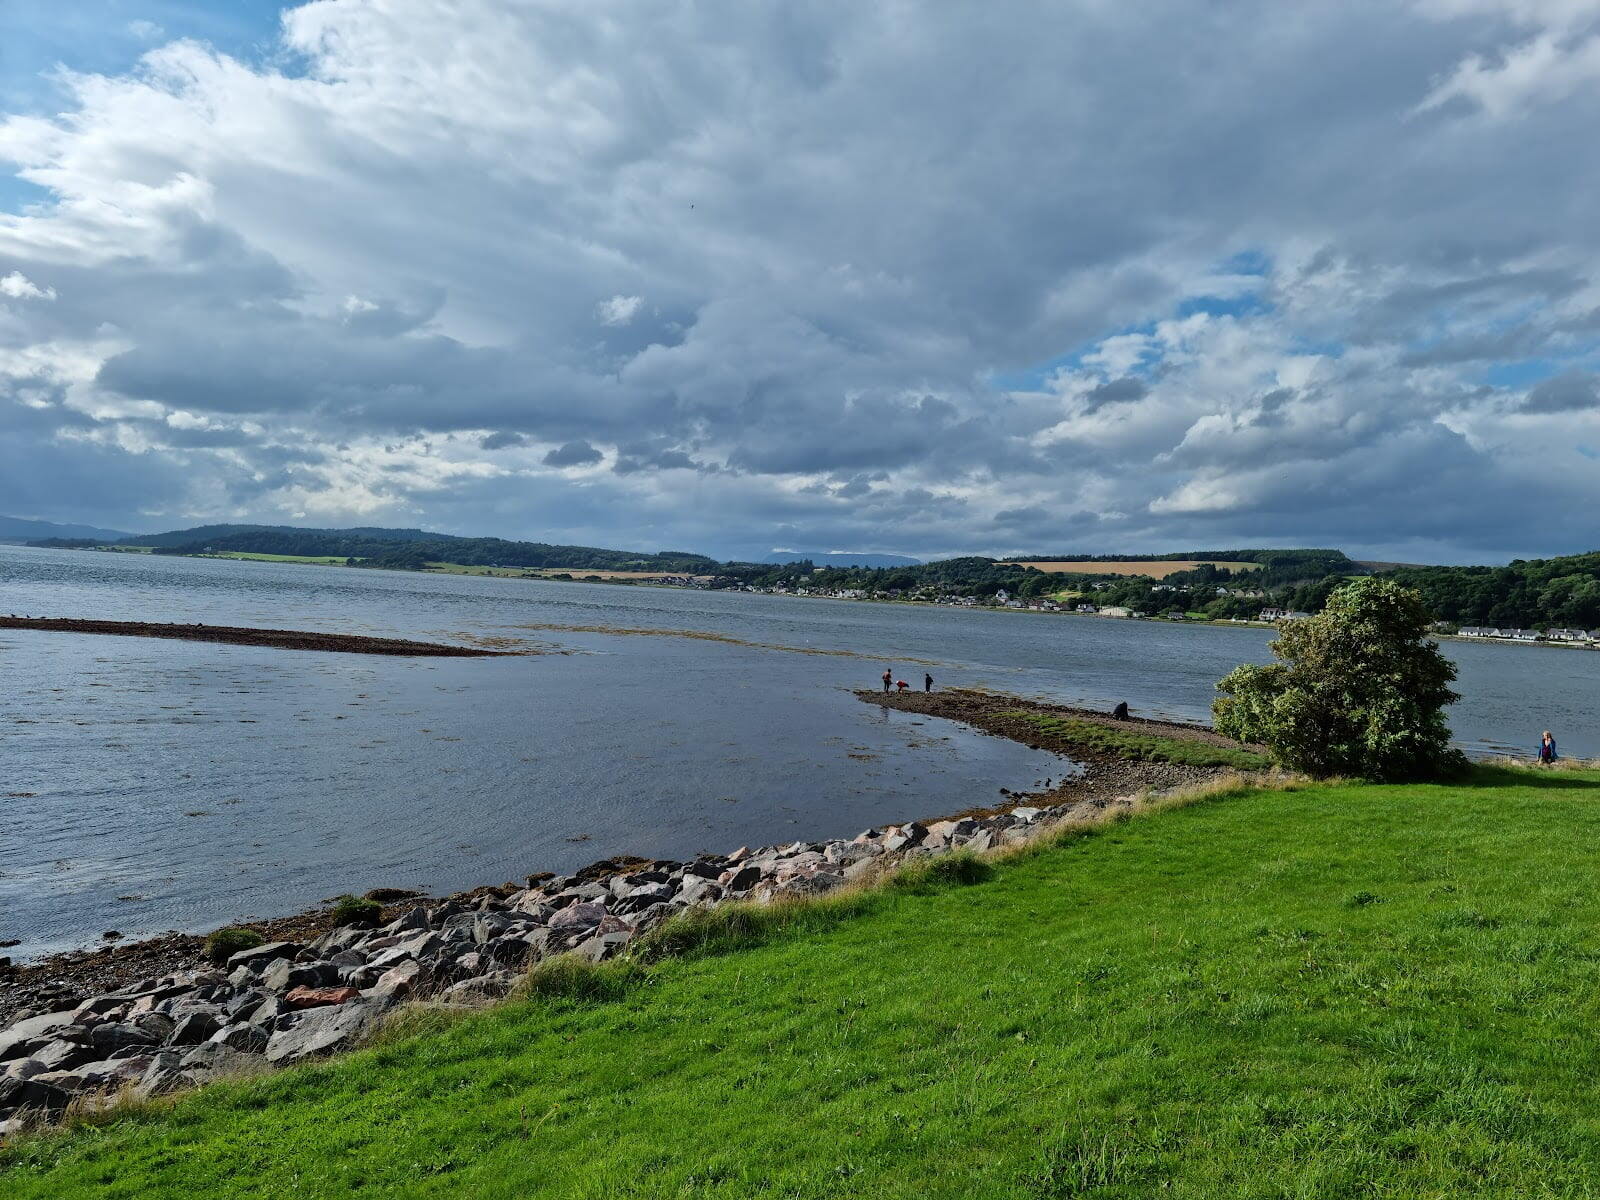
238	635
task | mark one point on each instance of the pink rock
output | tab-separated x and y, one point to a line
310	997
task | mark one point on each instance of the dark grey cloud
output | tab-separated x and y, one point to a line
1570	391
573	454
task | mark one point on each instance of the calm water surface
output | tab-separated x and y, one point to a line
151	785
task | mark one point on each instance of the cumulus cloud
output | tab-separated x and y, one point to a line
868	274
18	286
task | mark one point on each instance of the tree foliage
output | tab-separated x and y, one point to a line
1360	691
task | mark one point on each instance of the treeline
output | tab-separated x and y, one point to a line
372	548
1286	578
1537	593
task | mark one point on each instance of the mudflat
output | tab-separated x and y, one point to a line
282	639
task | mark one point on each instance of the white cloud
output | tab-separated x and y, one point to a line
18	286
619	310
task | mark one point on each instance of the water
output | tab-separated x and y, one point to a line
150	785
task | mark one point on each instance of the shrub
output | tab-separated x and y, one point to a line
225	943
354	910
1361	691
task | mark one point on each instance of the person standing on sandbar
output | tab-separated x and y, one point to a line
888	679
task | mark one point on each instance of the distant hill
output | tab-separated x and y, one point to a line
842	558
17	530
209	533
412	549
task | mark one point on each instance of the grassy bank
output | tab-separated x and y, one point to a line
1340	991
1068	735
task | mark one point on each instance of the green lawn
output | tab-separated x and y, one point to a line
1336	992
1067	734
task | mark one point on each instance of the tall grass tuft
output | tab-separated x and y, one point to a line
699	931
959	868
573	977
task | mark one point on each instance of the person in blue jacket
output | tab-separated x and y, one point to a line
1547	748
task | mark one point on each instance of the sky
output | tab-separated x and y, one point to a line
1066	276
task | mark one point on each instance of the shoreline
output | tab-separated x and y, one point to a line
64	978
77	1033
521	573
237	635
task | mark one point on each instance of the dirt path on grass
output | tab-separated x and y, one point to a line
282	639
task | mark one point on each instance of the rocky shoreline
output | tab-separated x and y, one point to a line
154	1016
236	635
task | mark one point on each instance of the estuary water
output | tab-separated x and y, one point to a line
148	785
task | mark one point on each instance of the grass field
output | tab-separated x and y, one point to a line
1159	569
1342	991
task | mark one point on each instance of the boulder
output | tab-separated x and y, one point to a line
194	1028
259	956
283	975
325	1030
582	915
214	1057
602	946
742	879
402	980
114	1035
312	997
478	987
158	1025
243	1037
62	1055
488	926
14	1041
162	1075
30	1094
25	1068
697	889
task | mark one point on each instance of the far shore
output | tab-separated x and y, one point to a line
659	580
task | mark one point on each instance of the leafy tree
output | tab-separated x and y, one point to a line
1361	691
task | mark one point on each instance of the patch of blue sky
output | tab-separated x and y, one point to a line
1522	373
1236	301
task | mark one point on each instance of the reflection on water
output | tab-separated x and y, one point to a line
151	785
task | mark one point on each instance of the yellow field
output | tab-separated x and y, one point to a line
1156	570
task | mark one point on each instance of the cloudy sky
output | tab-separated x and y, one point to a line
916	277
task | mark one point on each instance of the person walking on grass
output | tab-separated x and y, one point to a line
1547	749
927	682
888	679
